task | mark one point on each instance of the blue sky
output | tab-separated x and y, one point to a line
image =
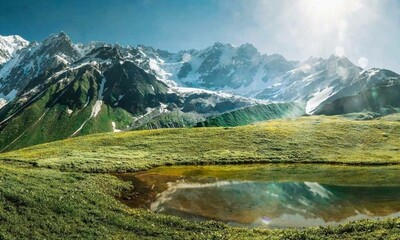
366	31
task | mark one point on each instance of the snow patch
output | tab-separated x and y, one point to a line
252	90
96	108
4	99
188	91
3	102
114	127
8	66
9	45
226	57
372	72
318	98
87	102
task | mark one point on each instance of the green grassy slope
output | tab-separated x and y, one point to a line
47	119
49	204
174	119
38	202
254	114
307	140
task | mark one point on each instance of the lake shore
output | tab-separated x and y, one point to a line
53	192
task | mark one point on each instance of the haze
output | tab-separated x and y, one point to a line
366	31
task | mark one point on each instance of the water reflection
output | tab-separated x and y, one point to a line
271	204
276	205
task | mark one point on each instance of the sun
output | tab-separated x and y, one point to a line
326	8
328	20
329	15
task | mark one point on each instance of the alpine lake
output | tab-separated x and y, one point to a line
268	195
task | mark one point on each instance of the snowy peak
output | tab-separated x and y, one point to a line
334	63
247	50
245	71
104	53
61	45
238	70
9	45
375	90
154	53
53	54
226	54
313	81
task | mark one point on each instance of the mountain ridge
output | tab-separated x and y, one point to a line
9	45
103	91
102	87
244	71
240	70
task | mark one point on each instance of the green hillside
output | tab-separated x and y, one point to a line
50	190
58	112
173	119
254	114
303	140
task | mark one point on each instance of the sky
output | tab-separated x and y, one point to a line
365	31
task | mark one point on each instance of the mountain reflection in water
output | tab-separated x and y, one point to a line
264	204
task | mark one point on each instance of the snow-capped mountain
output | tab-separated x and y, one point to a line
241	70
99	87
223	67
9	45
244	71
93	88
36	59
375	90
312	81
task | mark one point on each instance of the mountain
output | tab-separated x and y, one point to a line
65	90
238	70
313	81
237	117
36	60
253	114
377	90
244	71
9	45
100	87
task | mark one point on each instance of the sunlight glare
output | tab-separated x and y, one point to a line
363	62
327	8
339	51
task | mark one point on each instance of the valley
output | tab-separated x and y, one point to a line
99	87
112	141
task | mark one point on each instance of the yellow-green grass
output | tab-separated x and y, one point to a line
304	140
51	191
37	203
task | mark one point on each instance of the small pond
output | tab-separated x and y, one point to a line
269	196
